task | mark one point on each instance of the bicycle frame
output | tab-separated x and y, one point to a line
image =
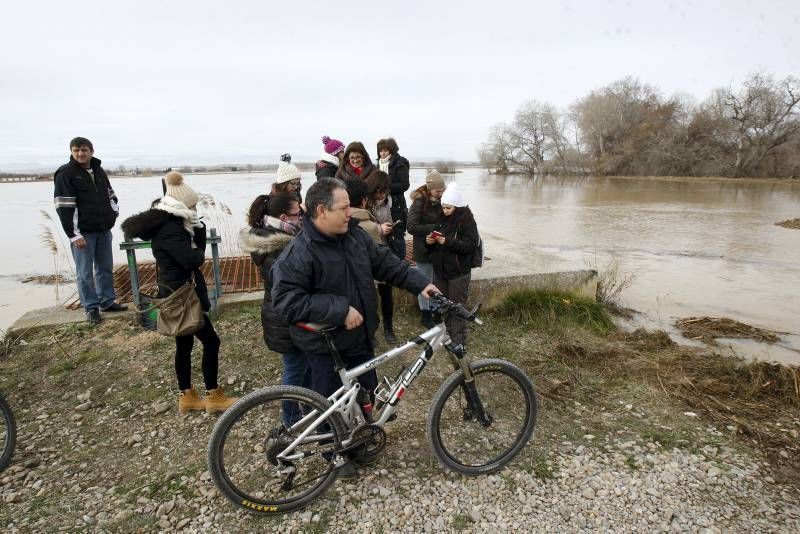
344	399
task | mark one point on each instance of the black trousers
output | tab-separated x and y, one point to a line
325	380
455	289
387	304
183	356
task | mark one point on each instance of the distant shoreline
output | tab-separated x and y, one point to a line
26	178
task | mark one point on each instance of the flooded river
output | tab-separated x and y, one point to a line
694	248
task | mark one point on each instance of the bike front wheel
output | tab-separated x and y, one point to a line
8	433
246	444
477	428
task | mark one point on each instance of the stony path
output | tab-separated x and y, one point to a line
101	448
614	487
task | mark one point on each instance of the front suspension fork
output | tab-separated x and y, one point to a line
475	408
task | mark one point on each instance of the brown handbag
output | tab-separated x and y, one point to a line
180	314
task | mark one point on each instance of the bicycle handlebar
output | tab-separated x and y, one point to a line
442	302
458	309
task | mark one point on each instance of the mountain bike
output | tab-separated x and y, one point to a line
8	433
480	418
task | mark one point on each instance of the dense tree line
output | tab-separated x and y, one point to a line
629	128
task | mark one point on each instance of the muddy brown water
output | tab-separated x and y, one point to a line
695	247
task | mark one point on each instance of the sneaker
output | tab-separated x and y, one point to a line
347	471
93	316
115	308
217	401
188	399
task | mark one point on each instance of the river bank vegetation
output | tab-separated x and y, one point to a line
629	128
630	416
793	224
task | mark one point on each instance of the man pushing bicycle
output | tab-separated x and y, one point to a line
323	281
326	275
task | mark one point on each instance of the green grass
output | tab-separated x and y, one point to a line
630	461
540	467
546	309
460	522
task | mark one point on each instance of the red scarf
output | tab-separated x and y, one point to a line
357	170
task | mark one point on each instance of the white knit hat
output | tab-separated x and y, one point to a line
452	197
177	189
287	171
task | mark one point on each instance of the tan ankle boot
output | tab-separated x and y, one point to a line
216	401
188	399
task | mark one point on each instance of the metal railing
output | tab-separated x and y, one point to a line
214	293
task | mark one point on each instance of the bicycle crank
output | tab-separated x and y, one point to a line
368	442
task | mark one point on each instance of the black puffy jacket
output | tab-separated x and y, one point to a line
424	217
264	246
90	194
454	258
176	260
399	184
318	277
398	172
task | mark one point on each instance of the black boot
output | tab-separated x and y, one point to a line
388	334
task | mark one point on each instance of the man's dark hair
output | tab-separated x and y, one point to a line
321	194
79	142
356	190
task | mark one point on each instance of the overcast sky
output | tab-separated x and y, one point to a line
244	81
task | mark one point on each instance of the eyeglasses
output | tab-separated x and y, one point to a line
295	214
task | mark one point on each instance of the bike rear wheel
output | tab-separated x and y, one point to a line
245	443
8	433
479	430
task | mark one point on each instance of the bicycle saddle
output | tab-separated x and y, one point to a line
317	328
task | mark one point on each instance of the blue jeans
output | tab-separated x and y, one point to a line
427	269
296	372
94	266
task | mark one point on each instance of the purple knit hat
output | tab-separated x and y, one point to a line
332	146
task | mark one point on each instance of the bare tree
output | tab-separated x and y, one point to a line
765	115
526	136
628	128
496	152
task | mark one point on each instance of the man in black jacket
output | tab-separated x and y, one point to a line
326	275
87	208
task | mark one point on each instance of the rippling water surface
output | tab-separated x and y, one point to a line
695	248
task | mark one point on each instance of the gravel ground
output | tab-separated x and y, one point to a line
606	485
101	448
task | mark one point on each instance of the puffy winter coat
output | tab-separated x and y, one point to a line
176	260
318	277
264	246
346	171
398	172
91	194
454	258
424	217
